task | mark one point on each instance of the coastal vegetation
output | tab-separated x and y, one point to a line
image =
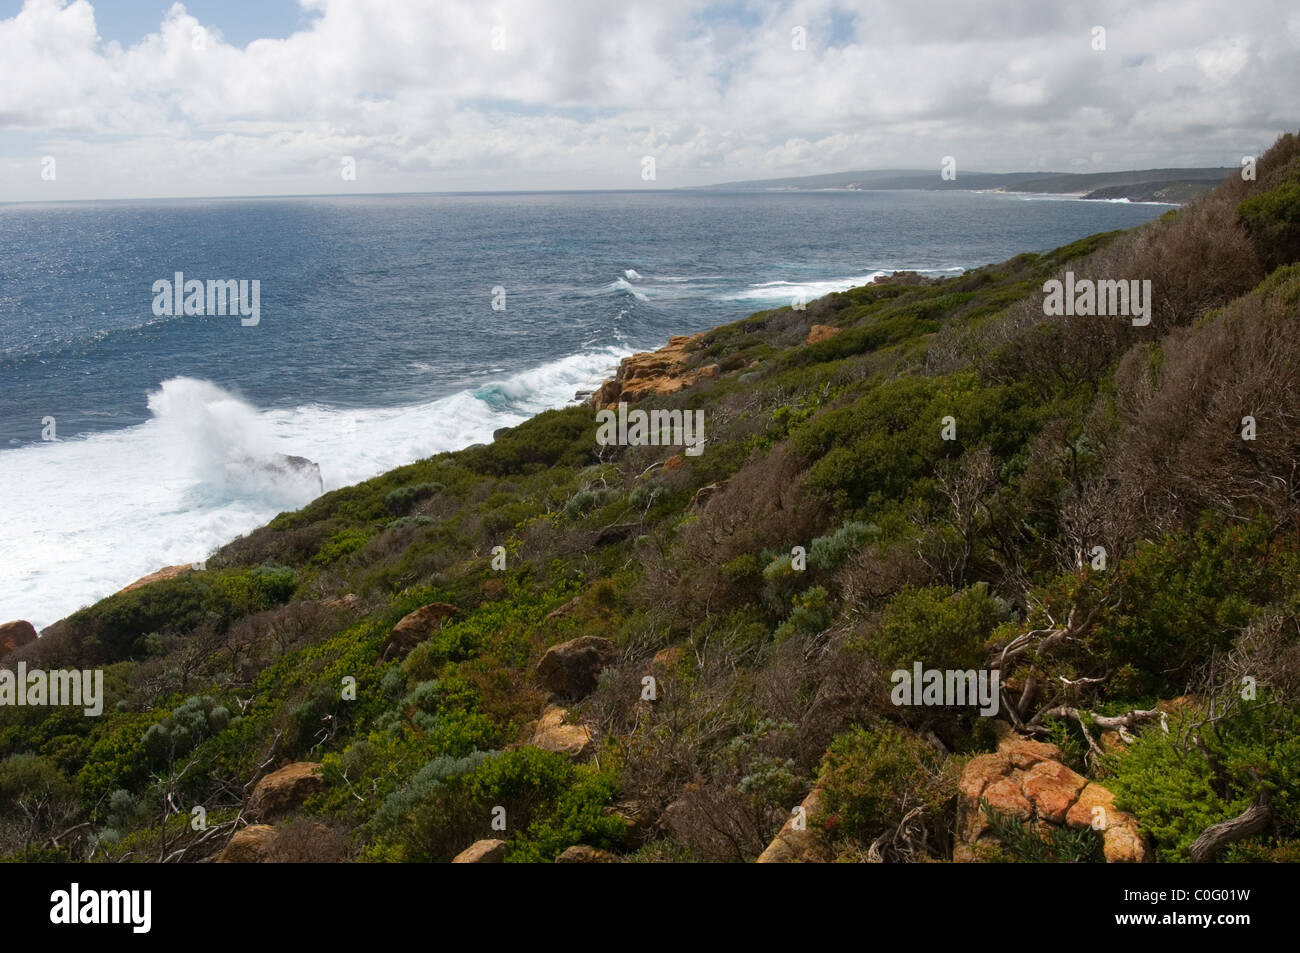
1097	530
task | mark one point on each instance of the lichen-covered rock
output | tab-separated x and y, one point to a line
413	628
249	846
482	852
570	668
284	790
1026	781
798	841
582	854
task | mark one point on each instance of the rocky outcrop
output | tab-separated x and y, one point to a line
249	846
1025	780
582	854
16	634
653	373
570	668
799	841
820	332
550	733
284	790
482	852
414	628
167	572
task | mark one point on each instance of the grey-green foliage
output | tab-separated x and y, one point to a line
403	498
427	783
829	552
197	718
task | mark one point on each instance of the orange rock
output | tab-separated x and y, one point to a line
414	628
248	846
653	373
1052	787
981	771
482	852
1025	752
167	572
1005	797
1081	814
667	658
821	332
15	635
793	845
283	790
1123	843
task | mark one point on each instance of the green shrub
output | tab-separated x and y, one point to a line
936	627
872	777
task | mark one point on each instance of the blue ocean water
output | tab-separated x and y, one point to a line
378	342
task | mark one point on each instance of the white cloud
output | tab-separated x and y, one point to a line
417	93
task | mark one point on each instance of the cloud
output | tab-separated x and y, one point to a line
521	94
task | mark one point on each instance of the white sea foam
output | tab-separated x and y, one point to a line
86	516
786	291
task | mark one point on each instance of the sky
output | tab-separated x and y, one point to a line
143	99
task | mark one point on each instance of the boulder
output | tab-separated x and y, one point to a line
249	846
793	846
414	628
582	854
1053	788
1123	843
284	790
550	733
482	852
820	332
16	634
1025	779
570	668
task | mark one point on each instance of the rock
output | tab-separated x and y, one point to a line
667	658
582	854
284	790
1025	779
820	332
570	668
482	852
167	572
653	373
348	601
1025	752
550	733
249	846
1052	787
565	610
1006	797
1122	843
807	846
1081	814
414	628
981	771
15	635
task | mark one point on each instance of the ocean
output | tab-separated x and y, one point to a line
389	328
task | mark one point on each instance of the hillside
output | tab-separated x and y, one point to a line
1149	185
918	473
